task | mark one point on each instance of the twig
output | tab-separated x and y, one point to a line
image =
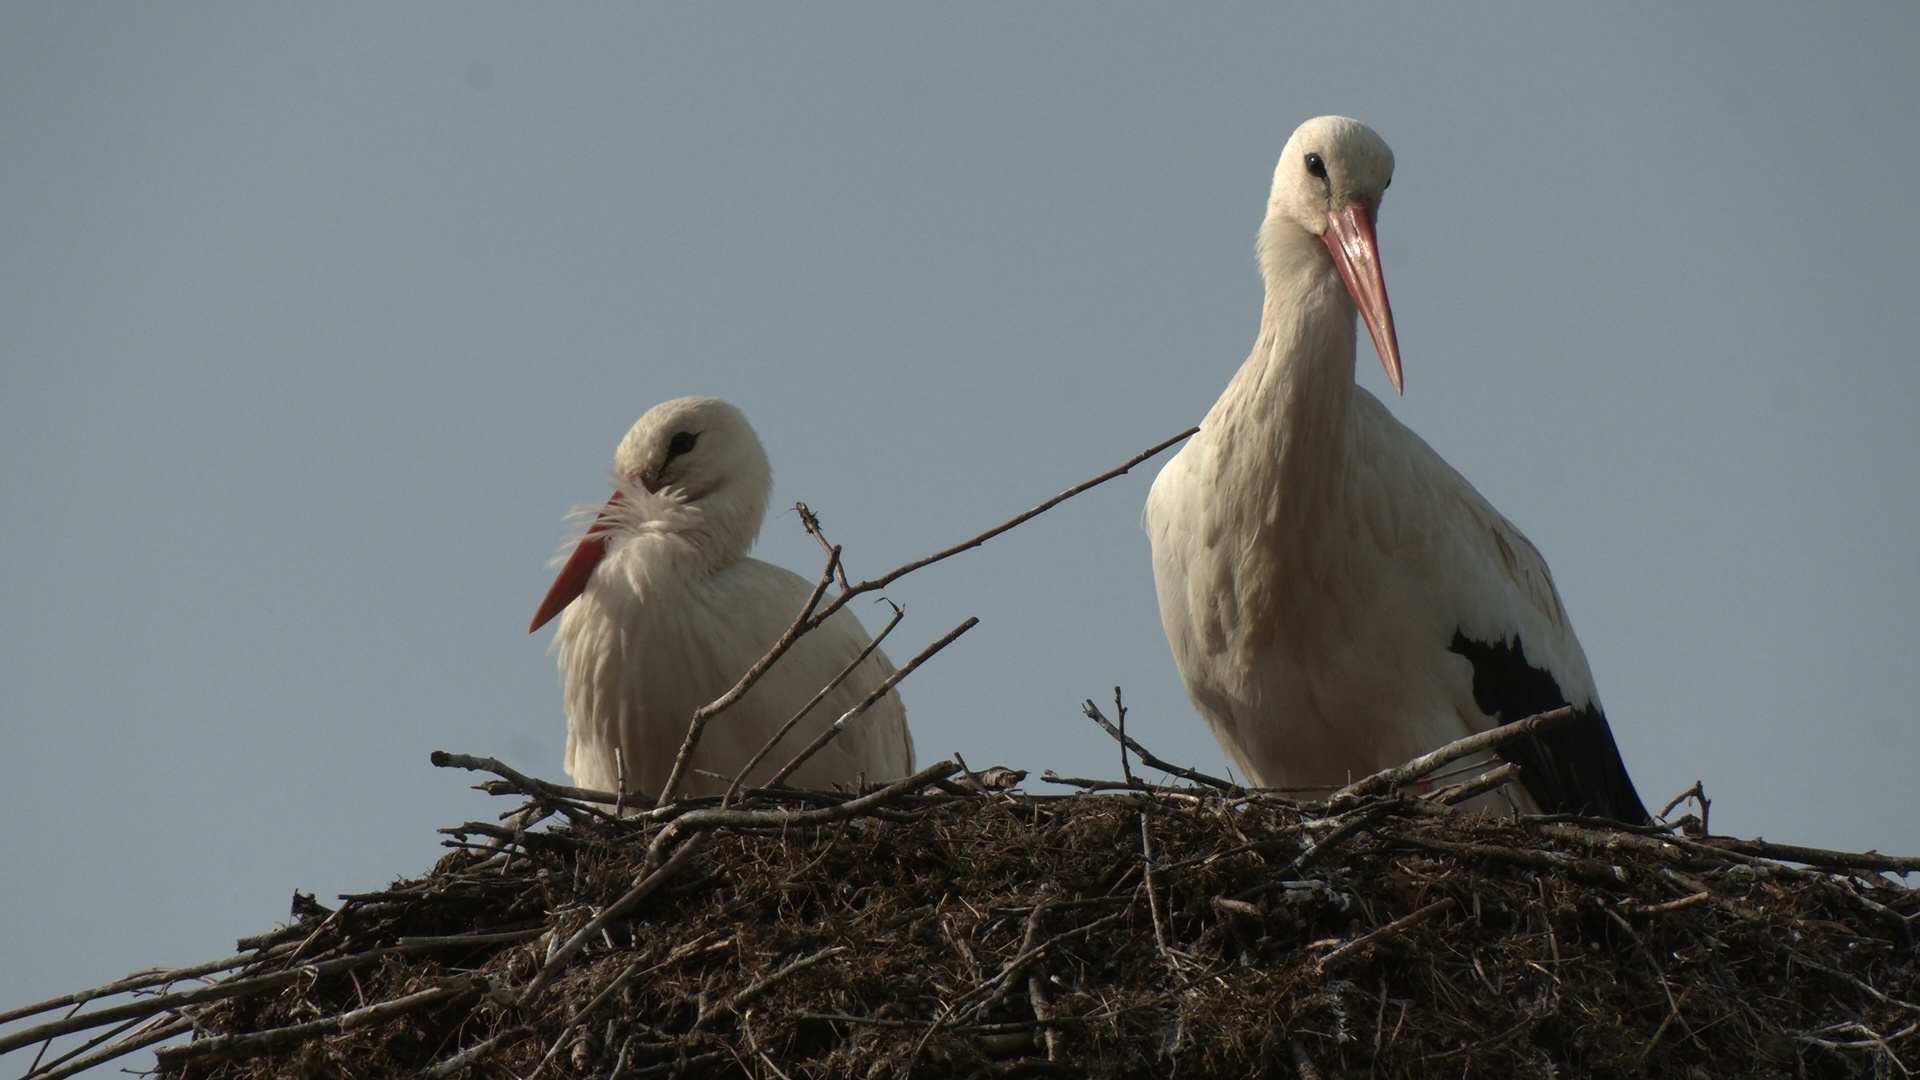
866	703
477	1051
142	980
197	996
1148	759
1398	926
1388	779
1479	785
1120	722
1160	935
810	521
641	889
257	1041
1835	860
136	1041
566	799
810	618
802	623
762	985
733	790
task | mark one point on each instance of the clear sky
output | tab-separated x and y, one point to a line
314	322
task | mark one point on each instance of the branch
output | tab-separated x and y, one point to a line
1388	779
733	790
254	1042
810	618
1147	758
802	623
875	695
527	785
1397	926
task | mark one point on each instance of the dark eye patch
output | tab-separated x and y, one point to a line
1317	166
682	443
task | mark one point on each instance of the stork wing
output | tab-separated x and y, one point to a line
1497	608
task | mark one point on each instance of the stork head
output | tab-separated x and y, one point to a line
696	448
1328	187
694	451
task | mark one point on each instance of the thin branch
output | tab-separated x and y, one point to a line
148	1006
254	1042
872	697
1388	779
128	1045
560	957
760	755
567	796
802	623
1490	780
1148	759
140	981
810	618
1397	926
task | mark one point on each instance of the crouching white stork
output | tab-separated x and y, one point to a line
1338	598
665	612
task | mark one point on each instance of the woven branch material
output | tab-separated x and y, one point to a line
946	932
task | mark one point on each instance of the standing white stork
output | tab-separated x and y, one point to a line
665	612
1338	598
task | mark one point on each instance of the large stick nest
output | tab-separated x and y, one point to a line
940	928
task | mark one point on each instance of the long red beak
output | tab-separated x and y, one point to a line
573	576
1350	237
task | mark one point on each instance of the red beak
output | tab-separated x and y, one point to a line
1350	237
573	576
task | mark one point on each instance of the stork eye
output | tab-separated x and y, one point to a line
682	443
1316	166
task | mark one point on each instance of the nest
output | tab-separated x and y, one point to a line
945	926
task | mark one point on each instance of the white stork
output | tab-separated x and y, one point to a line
1337	597
665	612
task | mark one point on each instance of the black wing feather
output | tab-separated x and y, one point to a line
1574	768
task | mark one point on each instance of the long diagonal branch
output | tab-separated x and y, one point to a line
812	614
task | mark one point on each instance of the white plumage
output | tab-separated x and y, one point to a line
664	612
1337	597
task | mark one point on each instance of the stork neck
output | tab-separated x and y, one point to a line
1296	389
717	530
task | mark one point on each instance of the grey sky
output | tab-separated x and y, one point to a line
317	321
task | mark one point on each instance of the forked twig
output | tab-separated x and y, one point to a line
1149	760
802	623
878	692
733	790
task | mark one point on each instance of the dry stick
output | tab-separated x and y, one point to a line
260	1041
760	755
866	703
700	823
802	623
1490	780
762	985
475	1052
198	996
140	981
633	896
120	1049
41	1065
737	818
1160	936
810	618
1388	779
1835	860
565	798
1147	758
1397	926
